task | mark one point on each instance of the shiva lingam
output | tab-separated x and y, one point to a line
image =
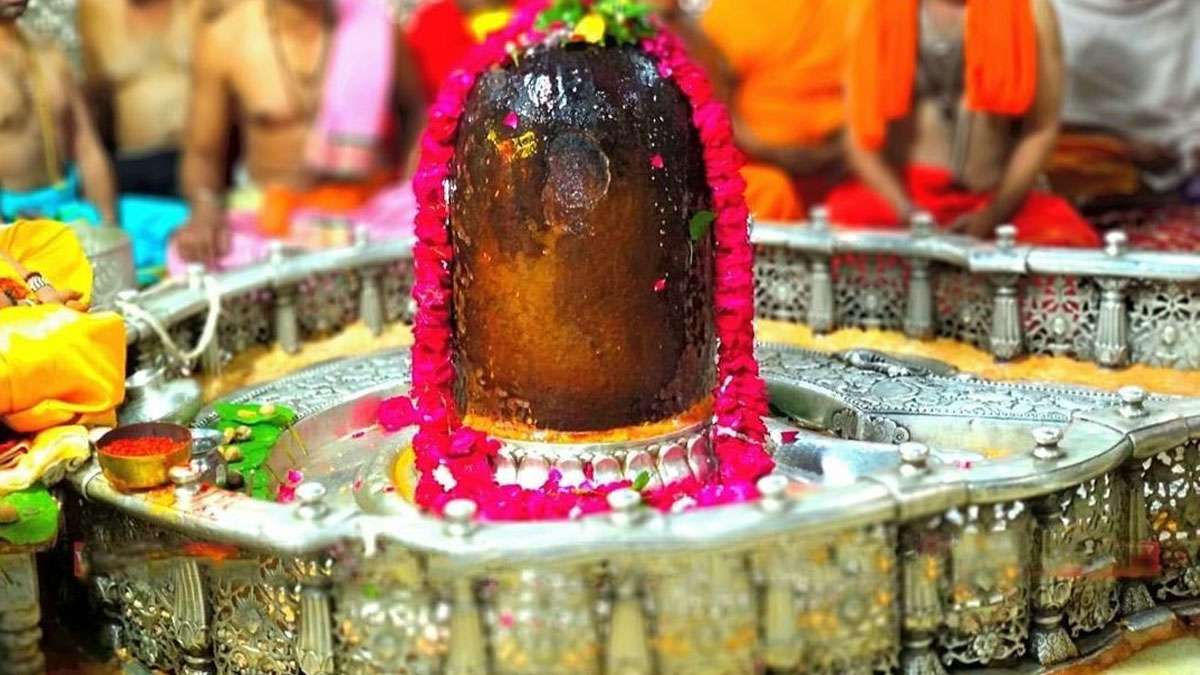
915	519
581	280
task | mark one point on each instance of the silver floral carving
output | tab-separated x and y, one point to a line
1164	324
256	608
963	306
245	322
1171	480
869	291
543	621
388	617
1060	315
987	615
327	303
703	612
781	284
396	282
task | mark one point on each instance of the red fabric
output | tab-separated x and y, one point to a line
1044	219
1175	228
439	39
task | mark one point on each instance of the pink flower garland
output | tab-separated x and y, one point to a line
457	462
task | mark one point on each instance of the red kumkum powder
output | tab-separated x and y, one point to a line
140	447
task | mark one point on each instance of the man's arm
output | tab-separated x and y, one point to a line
93	38
99	186
874	169
205	237
1039	129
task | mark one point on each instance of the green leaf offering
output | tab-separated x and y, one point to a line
642	480
699	224
255	413
37	516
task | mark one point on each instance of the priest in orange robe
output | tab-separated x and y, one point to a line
781	72
953	109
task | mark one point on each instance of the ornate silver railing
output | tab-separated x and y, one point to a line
1112	306
923	564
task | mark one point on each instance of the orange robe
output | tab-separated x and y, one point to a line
1000	76
788	58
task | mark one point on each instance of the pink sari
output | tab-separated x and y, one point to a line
357	94
352	125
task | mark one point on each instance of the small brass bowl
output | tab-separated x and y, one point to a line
146	471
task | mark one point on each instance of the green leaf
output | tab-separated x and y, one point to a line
642	480
698	226
38	512
251	414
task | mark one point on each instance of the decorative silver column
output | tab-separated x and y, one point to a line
1053	579
923	549
628	641
1112	328
314	647
468	644
190	619
20	616
820	305
1141	551
370	296
1006	339
287	324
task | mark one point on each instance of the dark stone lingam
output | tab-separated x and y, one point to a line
581	300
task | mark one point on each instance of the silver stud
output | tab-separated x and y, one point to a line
1133	401
310	498
773	488
625	504
1047	440
922	224
818	217
1006	237
459	514
915	457
1115	243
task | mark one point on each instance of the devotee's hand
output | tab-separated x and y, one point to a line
49	295
205	238
979	224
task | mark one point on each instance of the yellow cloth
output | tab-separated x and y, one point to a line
59	366
51	249
50	455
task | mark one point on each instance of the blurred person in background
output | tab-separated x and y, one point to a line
780	67
954	108
1132	112
137	59
48	141
327	101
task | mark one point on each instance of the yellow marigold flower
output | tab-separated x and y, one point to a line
591	28
485	22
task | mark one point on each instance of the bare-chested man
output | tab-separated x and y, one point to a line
45	126
136	56
965	140
261	67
